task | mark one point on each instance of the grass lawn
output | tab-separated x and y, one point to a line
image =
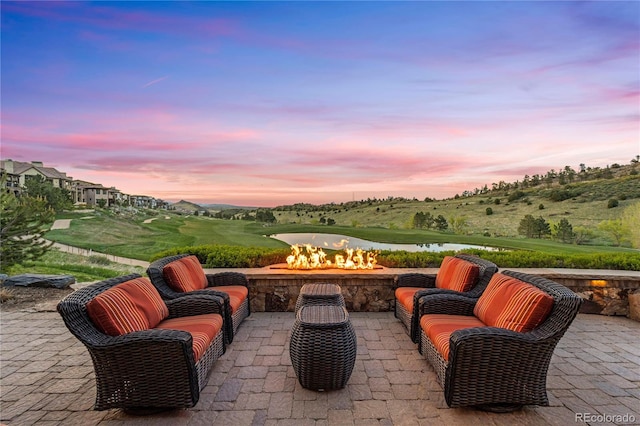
140	238
83	268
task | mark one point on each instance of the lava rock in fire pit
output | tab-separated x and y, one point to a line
39	280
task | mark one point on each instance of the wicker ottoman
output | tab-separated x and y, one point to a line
320	294
323	347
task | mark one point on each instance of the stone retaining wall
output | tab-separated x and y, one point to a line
276	290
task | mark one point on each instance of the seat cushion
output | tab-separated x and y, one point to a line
438	328
404	296
203	329
133	305
457	274
237	294
513	304
185	274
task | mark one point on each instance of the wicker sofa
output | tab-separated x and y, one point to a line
147	354
494	352
181	275
462	274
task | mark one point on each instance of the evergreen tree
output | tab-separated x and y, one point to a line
563	231
527	226
263	215
419	220
542	227
441	223
57	198
22	224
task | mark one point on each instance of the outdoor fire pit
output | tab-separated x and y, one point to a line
307	256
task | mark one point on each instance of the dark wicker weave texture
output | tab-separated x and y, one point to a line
495	368
323	347
144	369
232	320
428	281
320	294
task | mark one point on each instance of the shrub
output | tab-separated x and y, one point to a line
99	260
6	294
516	195
217	256
489	211
612	203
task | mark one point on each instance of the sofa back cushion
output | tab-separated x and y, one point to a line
185	274
513	304
133	305
457	274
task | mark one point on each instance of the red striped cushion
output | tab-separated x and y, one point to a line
237	294
184	275
513	304
438	328
203	329
134	305
457	274
404	295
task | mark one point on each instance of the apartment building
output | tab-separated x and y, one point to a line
82	192
19	172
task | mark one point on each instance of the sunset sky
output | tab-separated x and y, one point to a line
271	103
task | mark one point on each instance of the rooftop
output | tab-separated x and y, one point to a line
47	378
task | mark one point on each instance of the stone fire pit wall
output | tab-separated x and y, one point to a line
274	289
364	291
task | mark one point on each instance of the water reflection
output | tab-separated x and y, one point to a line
338	242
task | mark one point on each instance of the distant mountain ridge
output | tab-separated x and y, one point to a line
186	205
190	206
227	207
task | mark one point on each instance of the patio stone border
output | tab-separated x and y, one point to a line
273	289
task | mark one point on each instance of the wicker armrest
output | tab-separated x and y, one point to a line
415	279
196	304
432	291
142	339
227	278
209	291
492	335
450	304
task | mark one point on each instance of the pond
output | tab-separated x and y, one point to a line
339	242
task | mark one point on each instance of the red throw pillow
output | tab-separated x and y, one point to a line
133	305
184	275
513	304
457	274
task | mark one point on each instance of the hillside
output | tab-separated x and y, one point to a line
220	207
186	206
583	203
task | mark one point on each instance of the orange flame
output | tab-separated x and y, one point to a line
310	257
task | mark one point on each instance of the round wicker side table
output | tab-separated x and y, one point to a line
323	347
320	294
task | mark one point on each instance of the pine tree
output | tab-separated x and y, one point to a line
23	222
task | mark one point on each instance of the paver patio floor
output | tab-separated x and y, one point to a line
47	378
